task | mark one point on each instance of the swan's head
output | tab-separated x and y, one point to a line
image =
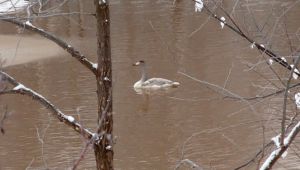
139	63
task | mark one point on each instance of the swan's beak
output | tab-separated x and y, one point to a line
136	64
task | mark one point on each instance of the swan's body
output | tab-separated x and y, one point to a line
154	83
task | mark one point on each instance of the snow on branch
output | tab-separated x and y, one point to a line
71	50
198	5
223	22
296	72
297	100
280	151
232	25
23	90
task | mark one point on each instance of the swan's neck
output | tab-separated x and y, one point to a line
144	74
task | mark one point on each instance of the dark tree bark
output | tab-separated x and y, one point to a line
103	139
103	148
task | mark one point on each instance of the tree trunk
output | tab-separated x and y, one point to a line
104	148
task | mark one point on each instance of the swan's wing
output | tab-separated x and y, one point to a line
157	82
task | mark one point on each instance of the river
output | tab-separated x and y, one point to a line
195	121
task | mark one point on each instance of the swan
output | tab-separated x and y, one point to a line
153	83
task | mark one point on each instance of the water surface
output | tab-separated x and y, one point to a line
153	132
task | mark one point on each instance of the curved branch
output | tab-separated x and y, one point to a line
68	120
255	157
71	50
260	47
276	154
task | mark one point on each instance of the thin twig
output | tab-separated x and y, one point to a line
285	102
260	47
83	153
255	156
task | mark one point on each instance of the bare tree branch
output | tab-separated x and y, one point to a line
71	50
21	89
283	128
237	30
277	153
83	152
255	157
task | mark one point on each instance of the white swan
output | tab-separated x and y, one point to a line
152	84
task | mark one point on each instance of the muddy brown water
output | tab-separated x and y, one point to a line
194	122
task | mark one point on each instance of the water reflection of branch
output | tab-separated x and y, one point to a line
41	140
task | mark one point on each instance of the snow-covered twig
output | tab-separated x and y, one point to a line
235	28
283	128
255	157
282	143
71	50
278	152
23	90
